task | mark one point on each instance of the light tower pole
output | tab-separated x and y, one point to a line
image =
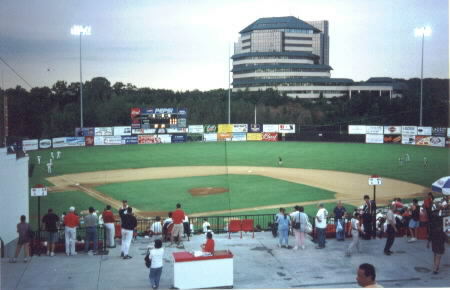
422	32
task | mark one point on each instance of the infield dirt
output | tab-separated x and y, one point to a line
348	187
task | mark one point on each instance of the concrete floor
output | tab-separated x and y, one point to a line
258	263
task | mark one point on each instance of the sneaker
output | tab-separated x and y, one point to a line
127	257
52	254
412	240
387	253
74	254
295	248
25	260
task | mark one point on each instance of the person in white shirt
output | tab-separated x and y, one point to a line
52	155
38	159
391	230
156	228
58	154
49	168
205	225
354	230
156	255
321	226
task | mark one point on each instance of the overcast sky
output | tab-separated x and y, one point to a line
184	45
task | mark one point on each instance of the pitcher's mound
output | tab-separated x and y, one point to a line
200	191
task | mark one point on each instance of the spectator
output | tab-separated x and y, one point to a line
438	238
167	222
366	276
186	226
156	228
71	222
110	226
205	225
23	228
391	230
369	210
208	247
428	204
91	222
208	230
414	221
177	231
156	255
321	225
129	222
283	228
50	221
339	215
355	229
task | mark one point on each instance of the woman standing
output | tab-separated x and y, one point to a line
156	256
283	227
23	228
438	239
354	230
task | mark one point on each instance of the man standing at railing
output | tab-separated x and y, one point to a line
369	210
110	223
91	222
50	220
71	221
321	226
177	231
129	222
339	215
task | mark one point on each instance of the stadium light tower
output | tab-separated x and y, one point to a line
422	32
80	30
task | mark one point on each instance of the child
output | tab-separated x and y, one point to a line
208	247
156	256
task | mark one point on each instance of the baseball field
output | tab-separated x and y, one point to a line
233	177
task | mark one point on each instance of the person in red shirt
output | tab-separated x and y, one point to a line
177	230
209	245
71	221
110	221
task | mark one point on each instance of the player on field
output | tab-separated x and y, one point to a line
425	162
280	161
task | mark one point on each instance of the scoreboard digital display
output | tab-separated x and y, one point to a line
158	118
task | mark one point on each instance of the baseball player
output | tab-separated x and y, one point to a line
58	154
407	159
52	155
49	167
400	161
51	161
280	161
425	162
38	159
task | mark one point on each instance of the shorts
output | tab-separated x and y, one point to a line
52	237
177	230
413	224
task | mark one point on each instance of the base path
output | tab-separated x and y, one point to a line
349	187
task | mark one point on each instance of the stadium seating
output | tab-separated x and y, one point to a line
245	225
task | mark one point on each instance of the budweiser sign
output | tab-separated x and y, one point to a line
271	137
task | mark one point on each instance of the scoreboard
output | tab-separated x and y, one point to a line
158	118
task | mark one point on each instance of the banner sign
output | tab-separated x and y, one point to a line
392	130
409	130
271	137
223	136
424	131
194	137
129	140
240	128
80	132
430	141
392	139
28	145
239	137
225	128
409	139
59	142
374	130
107	140
286	128
254	136
356	129
177	130
439	131
165	138
210	137
122	131
195	129
374	138
179	138
45	143
270	128
148	139
75	141
103	131
89	140
38	191
143	131
254	128
210	129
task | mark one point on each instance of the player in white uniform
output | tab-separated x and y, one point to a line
49	168
52	155
38	159
58	154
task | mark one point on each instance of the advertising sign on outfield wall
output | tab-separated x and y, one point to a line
239	137
179	138
270	137
210	129
392	139
254	136
176	130
439	132
240	128
122	131
103	131
88	131
129	139
270	128
89	140
374	138
409	130
28	145
374	130
223	136
225	128
148	139
165	138
59	142
255	128
195	129
409	139
430	141
356	129
143	131
286	128
392	130
424	131
45	143
210	137
75	141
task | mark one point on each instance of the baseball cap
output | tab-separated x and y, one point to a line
72	208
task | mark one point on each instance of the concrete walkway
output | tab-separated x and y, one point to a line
258	263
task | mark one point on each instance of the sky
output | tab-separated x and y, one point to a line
186	44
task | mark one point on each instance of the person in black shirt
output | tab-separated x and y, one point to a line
50	221
369	210
339	215
129	222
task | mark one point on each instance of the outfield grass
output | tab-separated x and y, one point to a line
245	191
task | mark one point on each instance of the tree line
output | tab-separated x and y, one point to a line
45	112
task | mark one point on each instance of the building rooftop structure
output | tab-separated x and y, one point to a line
289	22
